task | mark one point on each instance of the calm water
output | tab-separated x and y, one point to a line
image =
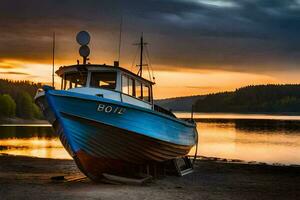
31	140
261	138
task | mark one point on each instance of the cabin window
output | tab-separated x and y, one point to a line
130	87
146	93
73	80
105	80
66	84
138	89
127	85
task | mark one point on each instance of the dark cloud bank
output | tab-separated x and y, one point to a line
238	35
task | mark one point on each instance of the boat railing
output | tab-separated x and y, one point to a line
163	110
121	97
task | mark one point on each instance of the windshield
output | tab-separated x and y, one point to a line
105	80
73	80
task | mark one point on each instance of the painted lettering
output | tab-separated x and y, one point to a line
116	109
121	111
101	107
110	109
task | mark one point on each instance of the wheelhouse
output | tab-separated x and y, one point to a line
110	82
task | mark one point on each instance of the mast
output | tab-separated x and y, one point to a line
141	56
141	44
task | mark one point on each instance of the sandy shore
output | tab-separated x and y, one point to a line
30	178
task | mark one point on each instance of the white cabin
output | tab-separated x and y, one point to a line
109	82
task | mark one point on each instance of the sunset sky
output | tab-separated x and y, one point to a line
195	46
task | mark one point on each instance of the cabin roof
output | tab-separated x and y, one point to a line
81	67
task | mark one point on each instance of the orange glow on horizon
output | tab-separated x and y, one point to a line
178	82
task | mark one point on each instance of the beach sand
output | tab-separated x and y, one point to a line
30	178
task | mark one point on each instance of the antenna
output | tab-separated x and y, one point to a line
120	39
53	58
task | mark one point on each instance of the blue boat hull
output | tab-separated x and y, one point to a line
105	136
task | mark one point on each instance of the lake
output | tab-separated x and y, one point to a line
261	138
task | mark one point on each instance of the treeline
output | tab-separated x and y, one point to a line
16	99
178	103
260	98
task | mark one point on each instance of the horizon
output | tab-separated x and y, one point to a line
205	94
196	47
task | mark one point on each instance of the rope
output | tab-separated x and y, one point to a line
150	65
149	72
137	50
196	151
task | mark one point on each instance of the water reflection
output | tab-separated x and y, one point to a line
245	141
34	147
261	140
35	141
26	131
237	116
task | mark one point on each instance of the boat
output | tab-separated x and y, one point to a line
106	118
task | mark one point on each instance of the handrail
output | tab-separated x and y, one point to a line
121	97
163	110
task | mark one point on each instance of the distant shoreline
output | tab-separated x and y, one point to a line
292	114
22	121
242	113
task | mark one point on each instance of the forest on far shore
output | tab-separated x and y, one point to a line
16	100
271	98
253	99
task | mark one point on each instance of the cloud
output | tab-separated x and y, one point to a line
14	73
9	64
202	87
234	35
215	3
3	66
